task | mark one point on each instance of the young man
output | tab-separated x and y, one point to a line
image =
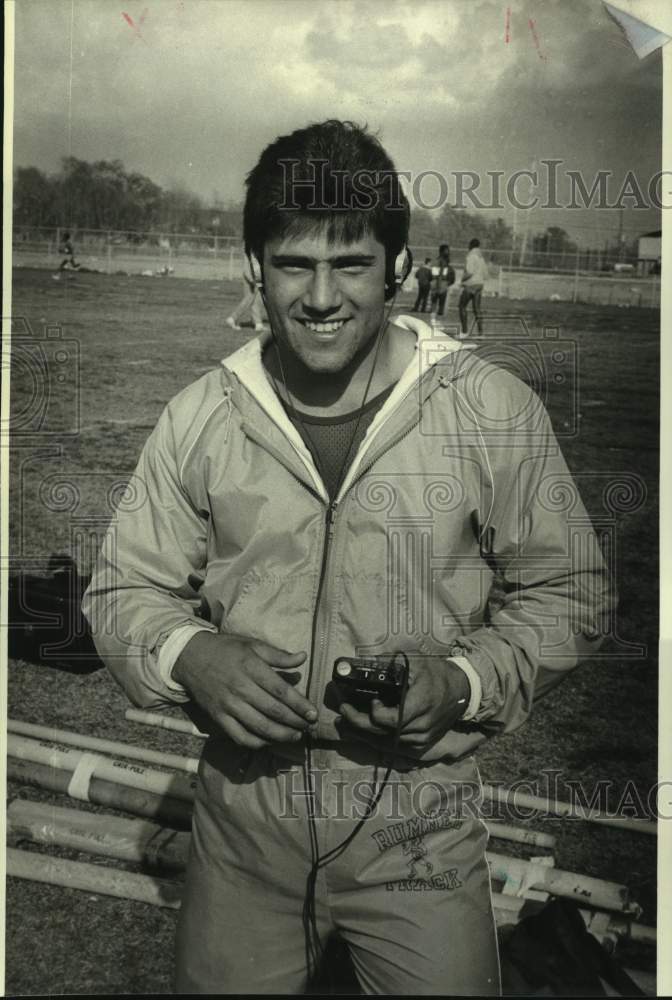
343	486
474	276
423	276
445	277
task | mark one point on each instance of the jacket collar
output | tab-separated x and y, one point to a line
432	348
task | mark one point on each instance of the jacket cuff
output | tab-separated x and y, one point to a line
474	683
171	649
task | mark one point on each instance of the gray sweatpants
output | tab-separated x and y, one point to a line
410	896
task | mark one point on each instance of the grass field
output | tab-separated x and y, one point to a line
123	346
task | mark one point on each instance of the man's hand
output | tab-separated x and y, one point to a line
438	695
233	679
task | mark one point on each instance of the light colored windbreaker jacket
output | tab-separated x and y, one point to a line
457	531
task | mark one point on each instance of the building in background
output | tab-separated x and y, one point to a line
648	252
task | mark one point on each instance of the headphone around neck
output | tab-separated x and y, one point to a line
394	279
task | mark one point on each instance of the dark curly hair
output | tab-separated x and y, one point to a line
334	174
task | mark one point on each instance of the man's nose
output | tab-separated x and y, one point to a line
323	294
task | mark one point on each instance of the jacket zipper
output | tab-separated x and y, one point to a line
329	531
330	516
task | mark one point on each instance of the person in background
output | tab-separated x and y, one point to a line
423	276
251	301
473	279
444	277
67	248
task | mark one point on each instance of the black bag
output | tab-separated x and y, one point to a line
552	953
46	624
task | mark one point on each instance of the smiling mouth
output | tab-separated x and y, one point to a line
333	326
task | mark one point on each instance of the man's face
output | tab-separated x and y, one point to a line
325	300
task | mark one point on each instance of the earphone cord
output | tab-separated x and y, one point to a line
313	944
314	948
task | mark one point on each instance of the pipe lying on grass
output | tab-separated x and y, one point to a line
174	812
163	722
523	875
517	799
85	765
163	808
555	807
172	760
520	834
128	839
37	867
34	867
93	878
132	840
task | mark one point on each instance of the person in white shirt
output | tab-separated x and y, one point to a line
473	278
251	301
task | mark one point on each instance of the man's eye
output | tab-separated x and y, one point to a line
293	269
353	269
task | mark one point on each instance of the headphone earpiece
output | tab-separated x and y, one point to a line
403	264
255	269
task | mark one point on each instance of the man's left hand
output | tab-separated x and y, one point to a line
438	695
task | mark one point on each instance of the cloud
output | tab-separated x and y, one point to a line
195	88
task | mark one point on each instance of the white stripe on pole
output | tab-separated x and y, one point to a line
180	786
189	764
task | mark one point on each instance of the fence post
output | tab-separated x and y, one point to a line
109	256
231	251
576	276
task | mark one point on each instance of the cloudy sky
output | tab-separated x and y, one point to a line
189	91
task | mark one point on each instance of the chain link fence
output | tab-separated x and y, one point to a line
578	277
